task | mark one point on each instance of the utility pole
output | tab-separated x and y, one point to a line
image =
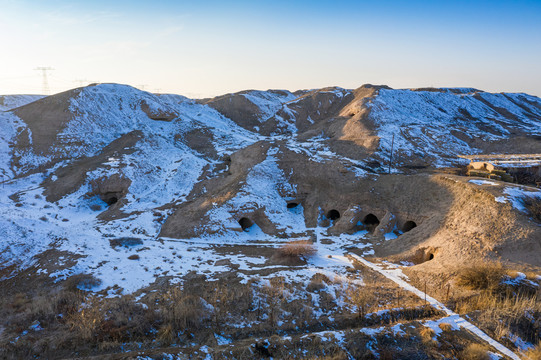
391	155
45	83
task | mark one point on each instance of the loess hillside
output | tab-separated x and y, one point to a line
121	192
109	161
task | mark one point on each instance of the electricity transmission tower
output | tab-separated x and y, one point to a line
45	83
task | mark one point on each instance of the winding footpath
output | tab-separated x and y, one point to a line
460	321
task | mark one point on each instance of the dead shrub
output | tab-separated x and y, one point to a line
117	320
81	282
109	345
360	298
20	302
87	320
533	205
67	302
445	327
47	308
525	176
274	295
166	334
502	313
317	282
427	334
484	276
125	320
181	310
299	249
534	353
474	352
340	355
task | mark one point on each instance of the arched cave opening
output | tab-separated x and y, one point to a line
245	223
424	254
110	200
292	205
371	222
333	215
408	225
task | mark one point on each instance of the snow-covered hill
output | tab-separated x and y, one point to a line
109	161
8	102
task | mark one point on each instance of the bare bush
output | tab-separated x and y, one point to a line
484	276
86	322
317	282
427	335
360	298
274	295
81	282
535	352
525	176
533	205
446	327
301	249
505	313
181	310
474	352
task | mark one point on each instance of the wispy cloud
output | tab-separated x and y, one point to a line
67	15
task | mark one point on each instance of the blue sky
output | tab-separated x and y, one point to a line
208	48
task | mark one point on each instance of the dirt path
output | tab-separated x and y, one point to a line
394	275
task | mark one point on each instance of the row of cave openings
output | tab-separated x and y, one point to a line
370	222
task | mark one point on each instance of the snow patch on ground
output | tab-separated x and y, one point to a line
483	182
516	194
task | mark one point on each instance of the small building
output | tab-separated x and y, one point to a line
499	165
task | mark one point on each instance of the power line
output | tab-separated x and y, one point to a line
45	83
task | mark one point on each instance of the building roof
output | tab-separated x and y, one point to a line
506	160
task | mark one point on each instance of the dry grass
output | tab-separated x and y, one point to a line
534	353
360	298
501	309
533	205
182	311
193	312
81	282
475	352
86	322
445	327
317	282
301	249
99	320
427	335
483	276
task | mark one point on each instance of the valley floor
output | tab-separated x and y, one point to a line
245	300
